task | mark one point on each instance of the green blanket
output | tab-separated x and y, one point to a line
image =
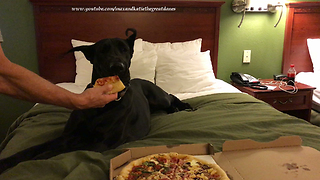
217	118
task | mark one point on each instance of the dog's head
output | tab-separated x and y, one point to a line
110	57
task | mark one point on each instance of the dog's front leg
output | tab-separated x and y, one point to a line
159	99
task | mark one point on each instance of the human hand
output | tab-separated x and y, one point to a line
96	97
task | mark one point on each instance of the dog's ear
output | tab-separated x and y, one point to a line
88	51
131	38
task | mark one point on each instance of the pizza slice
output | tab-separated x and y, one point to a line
113	80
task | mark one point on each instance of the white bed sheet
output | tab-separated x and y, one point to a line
311	79
219	86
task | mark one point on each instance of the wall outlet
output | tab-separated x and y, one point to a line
246	56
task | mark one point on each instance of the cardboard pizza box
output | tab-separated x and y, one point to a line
118	162
281	159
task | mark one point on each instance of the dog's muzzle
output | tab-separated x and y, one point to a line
117	67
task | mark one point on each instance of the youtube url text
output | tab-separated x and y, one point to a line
122	9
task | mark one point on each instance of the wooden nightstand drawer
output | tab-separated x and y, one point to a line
298	104
301	100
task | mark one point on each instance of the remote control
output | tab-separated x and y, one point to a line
1	40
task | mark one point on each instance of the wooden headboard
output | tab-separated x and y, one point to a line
303	22
59	21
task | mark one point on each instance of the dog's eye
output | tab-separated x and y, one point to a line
123	49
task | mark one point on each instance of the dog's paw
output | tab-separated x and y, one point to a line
185	106
178	105
181	106
172	109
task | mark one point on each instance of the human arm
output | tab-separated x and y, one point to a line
19	82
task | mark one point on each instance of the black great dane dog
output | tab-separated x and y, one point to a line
118	122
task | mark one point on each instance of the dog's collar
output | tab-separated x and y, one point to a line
122	93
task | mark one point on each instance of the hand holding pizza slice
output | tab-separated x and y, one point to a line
113	80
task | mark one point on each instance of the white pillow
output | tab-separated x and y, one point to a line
83	66
142	63
180	71
314	51
193	45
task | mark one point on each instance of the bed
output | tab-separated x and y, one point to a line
181	34
301	47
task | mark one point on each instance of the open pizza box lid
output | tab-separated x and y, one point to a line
120	161
283	158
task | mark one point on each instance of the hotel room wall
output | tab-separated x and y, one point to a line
17	27
256	33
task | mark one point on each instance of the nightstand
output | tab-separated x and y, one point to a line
298	104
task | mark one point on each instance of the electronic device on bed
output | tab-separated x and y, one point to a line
247	80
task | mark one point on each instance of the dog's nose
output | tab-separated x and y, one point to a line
117	67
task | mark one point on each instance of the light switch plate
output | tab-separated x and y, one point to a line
246	56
